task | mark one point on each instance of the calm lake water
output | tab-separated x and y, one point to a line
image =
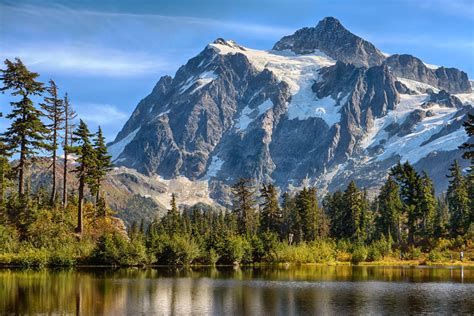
307	290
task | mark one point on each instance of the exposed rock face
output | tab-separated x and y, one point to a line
450	79
331	38
320	119
443	98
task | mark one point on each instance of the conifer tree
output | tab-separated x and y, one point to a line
467	146
335	209
355	217
390	207
288	206
427	206
82	147
410	185
102	165
244	205
69	116
54	110
270	213
458	201
26	132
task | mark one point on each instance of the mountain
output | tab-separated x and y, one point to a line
321	108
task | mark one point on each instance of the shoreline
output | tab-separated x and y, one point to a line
287	265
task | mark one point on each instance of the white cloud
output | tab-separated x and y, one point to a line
100	114
83	59
63	13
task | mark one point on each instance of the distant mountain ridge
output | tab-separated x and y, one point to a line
321	108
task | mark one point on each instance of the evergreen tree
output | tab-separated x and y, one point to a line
390	207
458	201
427	206
410	187
244	205
469	147
54	111
355	217
102	165
82	147
69	116
287	208
307	207
270	213
335	209
26	132
441	220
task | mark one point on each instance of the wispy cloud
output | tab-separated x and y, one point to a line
62	12
100	114
83	59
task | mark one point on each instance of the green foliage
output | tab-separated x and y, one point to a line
359	253
413	253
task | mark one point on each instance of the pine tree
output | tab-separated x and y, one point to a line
390	207
102	165
54	110
244	205
69	116
427	206
441	220
26	132
355	217
410	187
287	208
307	207
335	209
85	163
469	147
458	201
270	213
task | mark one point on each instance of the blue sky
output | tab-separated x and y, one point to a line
109	54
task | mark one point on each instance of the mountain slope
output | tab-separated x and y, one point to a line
323	107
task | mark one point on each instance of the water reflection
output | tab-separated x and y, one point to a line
252	291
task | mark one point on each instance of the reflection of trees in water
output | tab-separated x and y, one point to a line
231	291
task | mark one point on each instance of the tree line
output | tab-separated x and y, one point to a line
45	128
262	224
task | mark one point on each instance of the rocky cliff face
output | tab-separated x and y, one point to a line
323	107
331	38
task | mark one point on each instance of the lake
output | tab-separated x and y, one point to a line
305	290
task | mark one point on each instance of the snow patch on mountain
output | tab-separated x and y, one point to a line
248	114
203	79
299	72
116	149
214	167
416	85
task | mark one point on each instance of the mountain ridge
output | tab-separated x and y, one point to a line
293	115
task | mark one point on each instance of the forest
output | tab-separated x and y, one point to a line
406	221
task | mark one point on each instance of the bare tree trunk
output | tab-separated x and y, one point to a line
80	225
53	189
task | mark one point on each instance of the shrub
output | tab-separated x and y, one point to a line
8	239
31	257
179	250
435	256
322	251
413	253
359	254
373	253
64	256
